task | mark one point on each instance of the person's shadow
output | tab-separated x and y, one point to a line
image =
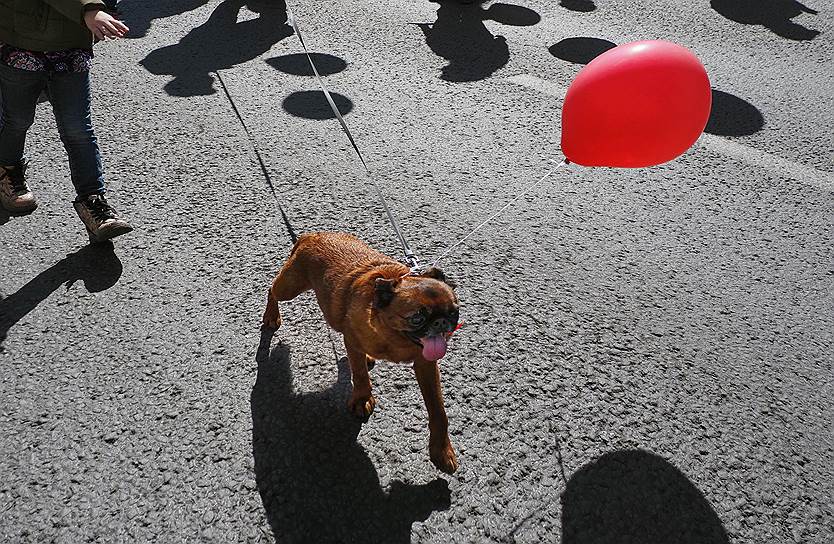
636	497
221	42
460	36
316	482
138	14
96	265
775	15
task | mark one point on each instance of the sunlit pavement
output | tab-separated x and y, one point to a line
646	355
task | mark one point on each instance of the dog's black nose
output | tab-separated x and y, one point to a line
442	325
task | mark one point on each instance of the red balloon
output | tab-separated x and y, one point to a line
639	104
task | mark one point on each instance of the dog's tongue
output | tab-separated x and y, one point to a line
434	347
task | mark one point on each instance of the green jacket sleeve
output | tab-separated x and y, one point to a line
73	9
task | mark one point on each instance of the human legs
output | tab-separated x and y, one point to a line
70	97
19	90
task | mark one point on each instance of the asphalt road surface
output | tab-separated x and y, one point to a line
646	356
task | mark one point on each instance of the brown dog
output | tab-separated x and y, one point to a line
383	311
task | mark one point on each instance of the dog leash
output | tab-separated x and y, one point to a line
410	258
264	170
269	183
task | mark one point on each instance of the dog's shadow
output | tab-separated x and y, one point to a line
316	482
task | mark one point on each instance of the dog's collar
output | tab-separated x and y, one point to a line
413	270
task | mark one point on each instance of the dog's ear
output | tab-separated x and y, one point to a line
438	274
384	291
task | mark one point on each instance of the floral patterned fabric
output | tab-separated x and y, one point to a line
66	61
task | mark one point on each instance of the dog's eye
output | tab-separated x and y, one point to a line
415	320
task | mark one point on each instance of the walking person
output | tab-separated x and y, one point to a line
48	45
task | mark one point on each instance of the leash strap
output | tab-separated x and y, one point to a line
411	259
499	212
284	215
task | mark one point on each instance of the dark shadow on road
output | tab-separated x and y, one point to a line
96	265
636	497
580	50
460	36
298	65
508	14
775	15
219	43
4	216
139	14
578	5
316	483
732	116
313	105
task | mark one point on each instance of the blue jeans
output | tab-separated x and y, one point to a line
69	94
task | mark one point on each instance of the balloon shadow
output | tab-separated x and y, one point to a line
460	36
96	265
298	65
139	14
316	483
313	105
637	497
578	5
580	50
511	15
221	42
732	116
774	15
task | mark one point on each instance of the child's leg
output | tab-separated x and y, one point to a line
70	97
19	90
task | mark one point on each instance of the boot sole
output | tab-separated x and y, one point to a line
108	235
21	211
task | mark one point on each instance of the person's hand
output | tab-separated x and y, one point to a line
103	25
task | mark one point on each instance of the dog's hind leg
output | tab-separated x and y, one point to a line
290	282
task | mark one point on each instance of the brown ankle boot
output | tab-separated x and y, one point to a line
15	195
100	218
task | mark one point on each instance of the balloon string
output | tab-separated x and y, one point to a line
499	212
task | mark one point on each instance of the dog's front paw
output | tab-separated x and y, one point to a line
444	458
272	315
361	405
271	323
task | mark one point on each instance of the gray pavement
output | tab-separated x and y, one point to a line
646	356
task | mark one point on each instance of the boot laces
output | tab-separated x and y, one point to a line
100	210
18	178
